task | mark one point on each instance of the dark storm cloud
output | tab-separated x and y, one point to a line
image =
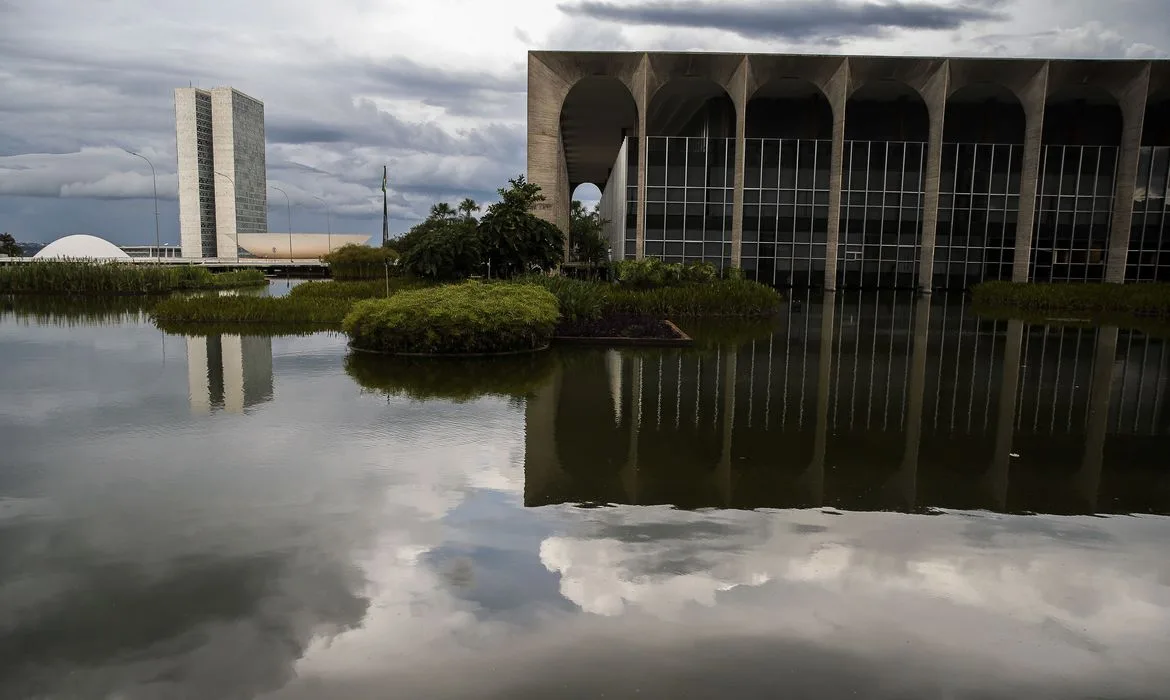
796	20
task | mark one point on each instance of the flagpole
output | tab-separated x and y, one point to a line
385	220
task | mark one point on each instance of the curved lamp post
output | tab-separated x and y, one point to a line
288	205
154	180
237	238
328	226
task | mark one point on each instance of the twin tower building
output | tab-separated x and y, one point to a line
222	171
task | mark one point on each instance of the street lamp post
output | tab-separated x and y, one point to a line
328	226
288	205
236	240
154	180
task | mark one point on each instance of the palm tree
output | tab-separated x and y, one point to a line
442	211
467	208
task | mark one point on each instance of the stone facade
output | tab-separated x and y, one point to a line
1020	169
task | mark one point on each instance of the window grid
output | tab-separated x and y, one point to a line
979	201
1074	211
1149	256
881	213
786	210
689	189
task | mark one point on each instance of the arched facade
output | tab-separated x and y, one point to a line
890	106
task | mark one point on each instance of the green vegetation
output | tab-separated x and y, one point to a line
371	289
587	242
465	318
315	311
583	300
92	278
508	240
75	311
359	262
649	273
1142	299
452	379
9	246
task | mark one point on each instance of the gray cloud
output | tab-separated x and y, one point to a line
797	20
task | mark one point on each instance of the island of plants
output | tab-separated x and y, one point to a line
92	278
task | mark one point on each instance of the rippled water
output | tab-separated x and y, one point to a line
869	498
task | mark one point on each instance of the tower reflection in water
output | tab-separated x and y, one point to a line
864	403
228	372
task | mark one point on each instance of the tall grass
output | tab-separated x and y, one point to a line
359	262
366	289
92	278
246	309
582	300
1143	299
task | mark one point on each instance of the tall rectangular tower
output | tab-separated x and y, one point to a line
222	171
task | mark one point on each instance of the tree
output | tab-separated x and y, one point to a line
467	208
587	241
444	249
514	239
442	212
9	246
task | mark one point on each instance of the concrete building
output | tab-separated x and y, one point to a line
228	372
863	171
223	181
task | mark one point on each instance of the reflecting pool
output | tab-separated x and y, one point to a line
871	496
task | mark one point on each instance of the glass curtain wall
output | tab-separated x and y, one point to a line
1149	252
979	201
786	210
689	187
881	213
1074	211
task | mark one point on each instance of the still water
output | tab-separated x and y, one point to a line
868	497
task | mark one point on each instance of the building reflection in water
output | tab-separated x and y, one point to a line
864	403
228	372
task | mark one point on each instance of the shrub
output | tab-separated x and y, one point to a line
578	300
1151	299
93	277
359	262
451	250
455	319
514	239
452	379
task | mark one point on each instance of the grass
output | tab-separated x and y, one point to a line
582	300
326	313
1137	299
75	311
367	289
451	379
114	278
359	262
463	318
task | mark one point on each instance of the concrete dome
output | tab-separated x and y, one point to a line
82	246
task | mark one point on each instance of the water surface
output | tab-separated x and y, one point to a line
865	498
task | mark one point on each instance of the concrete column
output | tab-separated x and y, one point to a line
726	485
815	474
546	93
838	94
1034	100
1088	479
739	96
935	95
997	478
1133	115
642	93
907	478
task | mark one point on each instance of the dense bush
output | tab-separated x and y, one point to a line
450	250
1151	299
250	309
583	300
452	379
514	239
359	262
455	319
92	277
649	273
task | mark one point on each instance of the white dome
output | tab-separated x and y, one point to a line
82	246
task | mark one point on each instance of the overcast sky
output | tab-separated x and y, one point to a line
435	90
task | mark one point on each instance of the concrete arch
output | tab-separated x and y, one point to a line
1083	115
985	112
691	106
596	115
766	115
887	110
